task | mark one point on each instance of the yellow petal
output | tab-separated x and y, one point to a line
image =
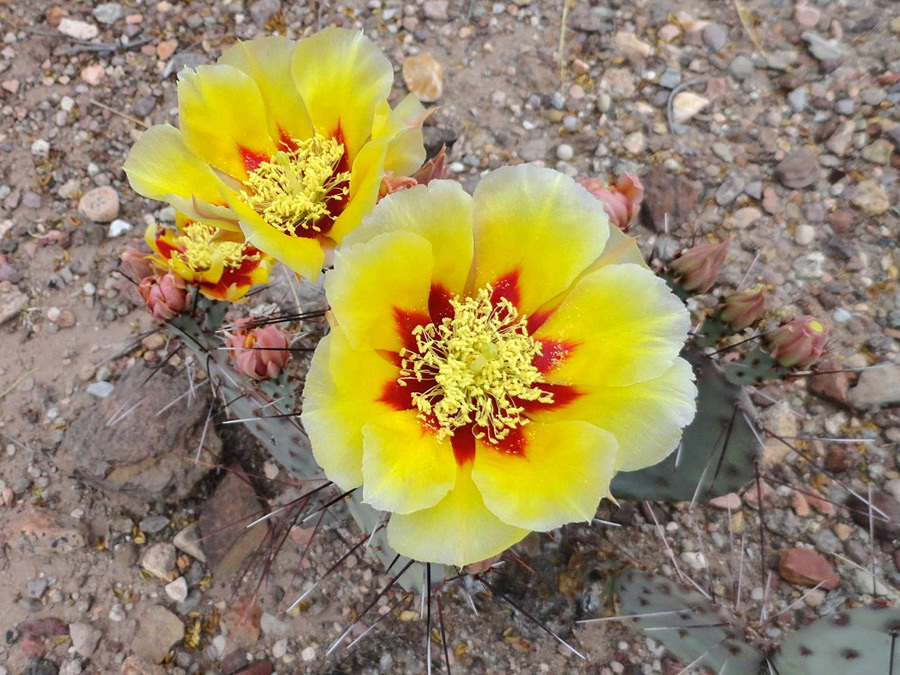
459	530
625	324
342	76
160	166
371	282
620	248
537	224
268	61
403	125
302	254
646	418
340	397
440	212
560	477
223	118
365	181
405	467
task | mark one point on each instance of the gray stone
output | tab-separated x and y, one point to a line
153	524
741	68
100	205
810	266
149	461
263	10
37	587
798	98
878	152
84	638
822	49
844	106
670	78
714	36
840	140
100	389
108	13
731	187
798	169
877	387
272	626
79	30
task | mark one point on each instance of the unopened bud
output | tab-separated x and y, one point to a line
800	342
744	308
135	264
699	267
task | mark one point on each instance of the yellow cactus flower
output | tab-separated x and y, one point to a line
493	361
220	263
285	141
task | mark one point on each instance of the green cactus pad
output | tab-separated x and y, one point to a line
687	624
705	459
859	641
754	367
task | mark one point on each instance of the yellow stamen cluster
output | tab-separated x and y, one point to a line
200	247
292	190
480	361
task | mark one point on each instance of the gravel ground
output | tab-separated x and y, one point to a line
773	122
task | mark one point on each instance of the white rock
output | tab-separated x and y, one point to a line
80	30
279	649
565	152
687	104
159	560
118	227
308	654
805	235
694	559
177	590
635	143
100	389
40	148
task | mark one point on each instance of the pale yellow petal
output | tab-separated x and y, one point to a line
459	530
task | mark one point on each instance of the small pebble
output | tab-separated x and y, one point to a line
100	389
565	152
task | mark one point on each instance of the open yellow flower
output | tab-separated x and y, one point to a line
286	141
220	263
494	360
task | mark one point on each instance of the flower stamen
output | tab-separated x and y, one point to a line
294	189
480	361
199	246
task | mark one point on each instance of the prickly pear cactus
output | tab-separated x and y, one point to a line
700	633
717	452
862	641
269	410
754	367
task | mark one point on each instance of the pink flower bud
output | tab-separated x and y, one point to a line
698	268
166	296
392	184
135	264
800	342
621	201
260	353
744	308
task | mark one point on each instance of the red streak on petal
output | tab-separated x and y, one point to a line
165	248
563	395
463	443
513	444
538	319
439	306
406	321
553	352
396	396
507	287
252	159
286	139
